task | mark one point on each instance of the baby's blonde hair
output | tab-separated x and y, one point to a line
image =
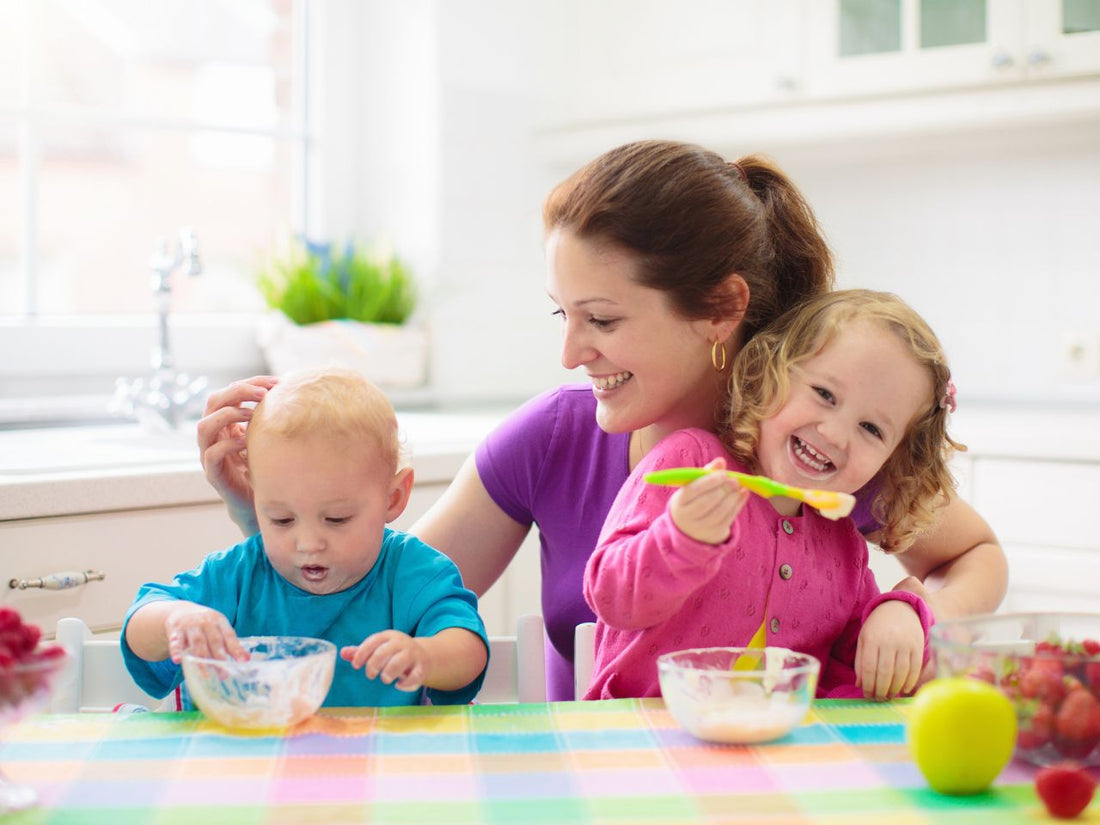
915	481
334	402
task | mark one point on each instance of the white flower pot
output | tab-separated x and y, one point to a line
390	356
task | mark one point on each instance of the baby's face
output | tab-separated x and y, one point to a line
322	505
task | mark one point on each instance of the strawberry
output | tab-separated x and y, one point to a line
1077	724
1050	646
1066	789
9	618
1091	647
1042	682
1092	676
1036	730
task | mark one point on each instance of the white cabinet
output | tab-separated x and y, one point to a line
1042	511
861	47
128	547
619	59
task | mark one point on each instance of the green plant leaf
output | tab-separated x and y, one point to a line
353	285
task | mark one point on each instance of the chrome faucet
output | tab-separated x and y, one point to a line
165	399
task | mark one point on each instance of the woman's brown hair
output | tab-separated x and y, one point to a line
693	219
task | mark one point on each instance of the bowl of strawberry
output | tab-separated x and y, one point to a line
1047	664
28	673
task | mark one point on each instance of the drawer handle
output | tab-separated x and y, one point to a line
58	581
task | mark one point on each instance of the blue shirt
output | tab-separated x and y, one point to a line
412	588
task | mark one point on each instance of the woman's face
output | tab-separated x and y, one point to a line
647	365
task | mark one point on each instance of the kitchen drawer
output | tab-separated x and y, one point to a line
1039	503
129	548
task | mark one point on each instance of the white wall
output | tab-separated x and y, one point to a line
994	237
992	234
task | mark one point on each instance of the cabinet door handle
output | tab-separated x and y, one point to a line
59	581
1002	60
1038	57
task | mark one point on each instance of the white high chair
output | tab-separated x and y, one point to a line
584	657
97	679
517	665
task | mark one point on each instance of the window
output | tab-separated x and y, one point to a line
124	121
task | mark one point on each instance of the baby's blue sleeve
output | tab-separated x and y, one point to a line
430	585
214	583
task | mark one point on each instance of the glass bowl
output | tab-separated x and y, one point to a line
737	695
25	688
1047	664
284	681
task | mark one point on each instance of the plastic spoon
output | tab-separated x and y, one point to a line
829	503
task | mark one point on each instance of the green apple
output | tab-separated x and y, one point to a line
961	734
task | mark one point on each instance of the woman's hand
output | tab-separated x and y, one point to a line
221	445
705	509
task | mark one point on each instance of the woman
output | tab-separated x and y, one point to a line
663	259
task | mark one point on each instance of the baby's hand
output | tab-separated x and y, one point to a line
395	657
705	509
889	651
201	631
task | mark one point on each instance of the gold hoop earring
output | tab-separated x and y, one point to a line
719	363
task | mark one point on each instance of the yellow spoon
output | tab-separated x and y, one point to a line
829	503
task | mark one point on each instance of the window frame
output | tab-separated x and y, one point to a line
64	367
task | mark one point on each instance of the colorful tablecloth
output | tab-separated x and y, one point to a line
576	762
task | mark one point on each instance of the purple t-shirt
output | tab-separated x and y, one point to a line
551	465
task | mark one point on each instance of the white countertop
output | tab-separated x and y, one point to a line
62	471
77	470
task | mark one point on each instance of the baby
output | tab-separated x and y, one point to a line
323	458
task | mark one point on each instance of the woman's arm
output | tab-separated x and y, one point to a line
466	525
957	566
221	445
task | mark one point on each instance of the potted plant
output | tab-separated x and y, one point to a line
349	308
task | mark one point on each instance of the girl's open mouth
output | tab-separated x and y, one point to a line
314	572
809	459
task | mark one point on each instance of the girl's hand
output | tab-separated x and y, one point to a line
392	656
201	631
889	651
221	442
705	509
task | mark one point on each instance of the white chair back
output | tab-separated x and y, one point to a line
517	665
97	678
584	657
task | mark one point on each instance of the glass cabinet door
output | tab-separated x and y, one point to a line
1062	38
877	46
881	46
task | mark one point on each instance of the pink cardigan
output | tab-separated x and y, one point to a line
654	590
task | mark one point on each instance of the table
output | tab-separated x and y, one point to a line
578	762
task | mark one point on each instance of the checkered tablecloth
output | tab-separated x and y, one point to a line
576	762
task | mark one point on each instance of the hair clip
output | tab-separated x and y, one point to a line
948	401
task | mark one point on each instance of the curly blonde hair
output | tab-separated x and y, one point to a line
915	481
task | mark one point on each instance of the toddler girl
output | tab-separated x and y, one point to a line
849	389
